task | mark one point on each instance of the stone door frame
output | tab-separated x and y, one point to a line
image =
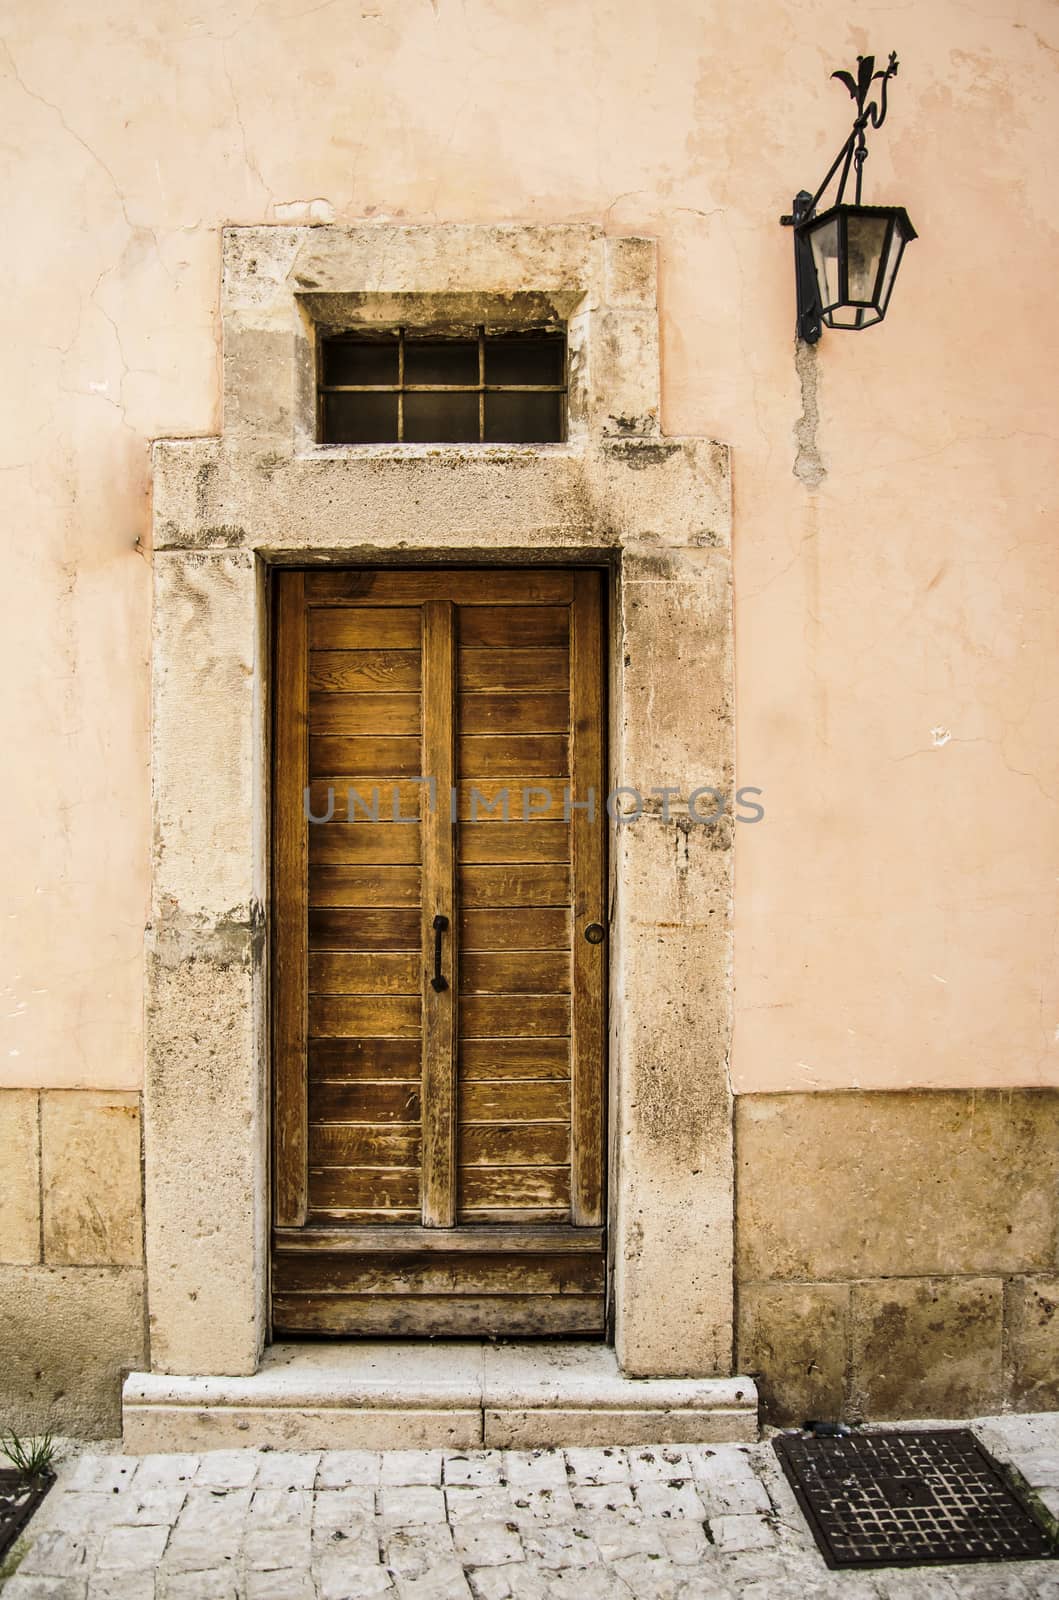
617	493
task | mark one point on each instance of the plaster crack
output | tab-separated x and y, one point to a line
808	463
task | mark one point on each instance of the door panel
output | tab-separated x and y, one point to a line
438	1144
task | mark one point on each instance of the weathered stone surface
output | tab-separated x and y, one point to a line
90	1157
878	1184
924	1347
68	1335
20	1165
795	1336
630	272
1032	1313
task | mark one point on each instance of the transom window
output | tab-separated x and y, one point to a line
404	386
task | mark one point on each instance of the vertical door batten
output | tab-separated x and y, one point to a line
439	1090
290	895
439	927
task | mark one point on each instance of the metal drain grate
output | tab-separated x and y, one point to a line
908	1499
19	1498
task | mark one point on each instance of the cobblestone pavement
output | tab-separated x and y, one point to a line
645	1523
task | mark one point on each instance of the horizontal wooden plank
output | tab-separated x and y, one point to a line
538	670
513	928
515	885
487	1316
364	799
361	843
509	755
379	1219
438	1273
530	1016
373	886
366	1059
547	1240
485	712
338	1144
514	1102
365	628
343	1188
341	928
496	843
349	671
345	1015
514	1058
519	972
464	586
483	1188
364	1102
366	755
513	626
368	972
368	713
515	1144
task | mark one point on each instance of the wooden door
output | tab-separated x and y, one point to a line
438	1027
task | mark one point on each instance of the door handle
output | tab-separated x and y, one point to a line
437	981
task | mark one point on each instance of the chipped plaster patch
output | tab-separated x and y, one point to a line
939	736
808	464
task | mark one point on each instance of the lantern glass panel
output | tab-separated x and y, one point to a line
865	242
893	257
824	244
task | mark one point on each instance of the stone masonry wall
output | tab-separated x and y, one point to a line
71	1258
897	1253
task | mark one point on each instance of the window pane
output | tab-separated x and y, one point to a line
360	418
360	360
523	418
866	239
441	361
525	358
440	418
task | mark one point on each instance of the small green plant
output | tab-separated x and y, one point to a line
32	1458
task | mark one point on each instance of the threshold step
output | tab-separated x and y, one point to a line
433	1394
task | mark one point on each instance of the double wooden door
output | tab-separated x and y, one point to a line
438	917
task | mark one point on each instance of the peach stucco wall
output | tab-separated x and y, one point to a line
896	616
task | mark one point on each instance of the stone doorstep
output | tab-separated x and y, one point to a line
378	1395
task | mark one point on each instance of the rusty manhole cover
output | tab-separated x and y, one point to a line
902	1499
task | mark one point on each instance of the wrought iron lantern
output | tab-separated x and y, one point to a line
846	258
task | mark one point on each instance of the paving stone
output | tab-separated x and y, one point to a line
343	1508
56	1554
102	1473
280	1508
131	1549
214	1583
649	1579
676	1498
227	1469
214	1511
341	1468
603	1497
27	1586
685	1541
616	1537
202	1551
404	1467
543	1505
269	1549
408	1506
446	1580
411	1552
598	1466
138	1585
660	1464
481	1468
741	1533
587	1583
82	1512
562	1545
287	1469
153	1507
339	1579
488	1542
166	1472
468	1501
359	1549
535	1469
291	1583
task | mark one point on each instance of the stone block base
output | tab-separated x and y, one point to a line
404	1395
